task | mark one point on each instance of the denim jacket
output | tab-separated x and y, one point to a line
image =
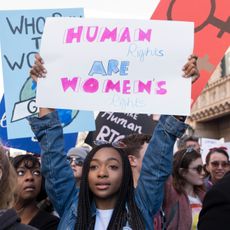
60	181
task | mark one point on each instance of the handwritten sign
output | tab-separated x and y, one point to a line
116	65
20	35
112	127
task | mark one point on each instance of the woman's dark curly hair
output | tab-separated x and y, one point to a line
125	208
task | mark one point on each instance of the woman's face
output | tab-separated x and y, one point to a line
29	181
193	175
217	166
105	175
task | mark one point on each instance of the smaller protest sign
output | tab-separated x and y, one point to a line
112	127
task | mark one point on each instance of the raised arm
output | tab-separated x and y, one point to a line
157	162
60	181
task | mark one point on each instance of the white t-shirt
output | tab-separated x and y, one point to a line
102	219
196	206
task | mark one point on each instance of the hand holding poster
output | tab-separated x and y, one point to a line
129	65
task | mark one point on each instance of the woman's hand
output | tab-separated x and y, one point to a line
38	70
190	68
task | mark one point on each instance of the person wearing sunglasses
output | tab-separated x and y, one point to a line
184	191
76	157
217	165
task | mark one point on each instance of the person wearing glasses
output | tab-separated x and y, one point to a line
184	191
217	165
76	157
106	198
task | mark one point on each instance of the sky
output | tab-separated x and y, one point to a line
132	9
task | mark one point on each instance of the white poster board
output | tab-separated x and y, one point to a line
116	65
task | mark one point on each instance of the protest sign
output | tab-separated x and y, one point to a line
116	65
29	144
112	127
20	36
212	32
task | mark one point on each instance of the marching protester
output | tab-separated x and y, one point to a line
28	183
76	157
106	198
184	191
135	146
217	165
8	216
187	141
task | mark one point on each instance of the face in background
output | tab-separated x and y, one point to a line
76	164
193	144
105	175
192	174
136	161
28	180
218	166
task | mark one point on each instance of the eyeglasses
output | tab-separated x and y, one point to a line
77	161
116	144
199	169
216	164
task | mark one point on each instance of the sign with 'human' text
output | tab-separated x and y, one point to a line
116	65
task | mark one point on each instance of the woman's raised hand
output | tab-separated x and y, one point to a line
190	68
38	70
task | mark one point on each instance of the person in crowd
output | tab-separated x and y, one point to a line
216	206
187	141
8	216
135	146
29	180
106	198
184	191
76	157
216	165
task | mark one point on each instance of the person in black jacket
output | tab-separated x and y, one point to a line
9	220
215	213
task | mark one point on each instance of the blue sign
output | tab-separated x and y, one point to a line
27	144
20	35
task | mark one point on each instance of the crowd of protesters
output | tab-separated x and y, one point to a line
136	183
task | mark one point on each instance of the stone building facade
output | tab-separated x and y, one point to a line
210	117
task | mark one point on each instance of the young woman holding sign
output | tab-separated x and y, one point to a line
106	198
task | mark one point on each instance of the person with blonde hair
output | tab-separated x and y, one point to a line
8	216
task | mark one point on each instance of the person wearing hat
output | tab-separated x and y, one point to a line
76	157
